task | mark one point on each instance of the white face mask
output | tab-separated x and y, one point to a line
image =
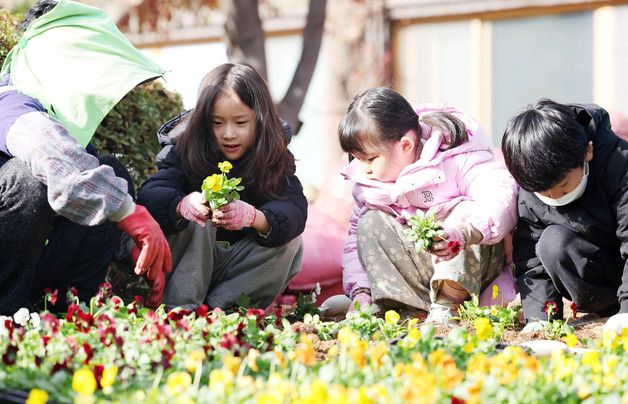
571	196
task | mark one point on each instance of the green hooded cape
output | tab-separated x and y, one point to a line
76	62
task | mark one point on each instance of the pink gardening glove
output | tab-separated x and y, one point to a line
362	298
447	247
194	208
234	216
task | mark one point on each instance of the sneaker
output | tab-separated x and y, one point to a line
441	314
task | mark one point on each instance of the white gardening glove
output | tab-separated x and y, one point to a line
616	323
533	326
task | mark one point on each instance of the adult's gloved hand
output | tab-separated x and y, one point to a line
450	244
154	252
194	208
362	298
235	215
616	323
156	279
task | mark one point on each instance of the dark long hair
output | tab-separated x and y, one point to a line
542	144
263	166
380	116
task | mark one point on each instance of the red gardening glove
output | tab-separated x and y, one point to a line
149	239
158	283
234	215
194	208
156	279
449	245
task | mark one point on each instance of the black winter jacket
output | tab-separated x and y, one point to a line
163	191
600	215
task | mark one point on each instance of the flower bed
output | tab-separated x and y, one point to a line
110	351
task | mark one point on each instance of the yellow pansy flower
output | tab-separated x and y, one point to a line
468	347
268	397
571	340
304	352
483	327
592	359
177	383
584	391
495	292
346	336
213	182
36	396
220	381
357	351
84	382
225	166
251	359
108	376
316	392
392	317
194	359
231	363
280	357
377	353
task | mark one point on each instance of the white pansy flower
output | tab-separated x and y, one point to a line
21	316
317	288
35	320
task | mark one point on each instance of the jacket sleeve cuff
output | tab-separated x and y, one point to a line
175	224
128	207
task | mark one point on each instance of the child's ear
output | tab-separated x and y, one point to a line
588	155
408	142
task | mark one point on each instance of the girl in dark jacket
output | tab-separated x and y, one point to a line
250	246
571	240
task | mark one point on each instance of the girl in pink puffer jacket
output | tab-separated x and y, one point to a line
437	160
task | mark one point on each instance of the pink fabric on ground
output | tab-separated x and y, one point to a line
323	240
505	282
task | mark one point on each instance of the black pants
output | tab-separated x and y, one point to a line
39	249
574	268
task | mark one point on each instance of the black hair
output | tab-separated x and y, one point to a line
39	9
380	116
542	144
267	162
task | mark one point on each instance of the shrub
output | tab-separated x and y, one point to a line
129	130
9	35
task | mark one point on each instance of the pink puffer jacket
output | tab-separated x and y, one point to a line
470	178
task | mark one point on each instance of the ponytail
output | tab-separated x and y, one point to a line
447	123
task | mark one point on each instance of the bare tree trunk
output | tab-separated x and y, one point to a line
244	34
360	53
292	101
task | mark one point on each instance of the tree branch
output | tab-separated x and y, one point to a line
292	101
244	34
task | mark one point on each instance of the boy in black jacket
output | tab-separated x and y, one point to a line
572	236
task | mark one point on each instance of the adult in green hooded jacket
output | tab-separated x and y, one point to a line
61	208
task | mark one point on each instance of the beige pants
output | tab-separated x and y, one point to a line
400	276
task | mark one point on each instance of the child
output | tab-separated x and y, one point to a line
572	237
252	245
436	160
